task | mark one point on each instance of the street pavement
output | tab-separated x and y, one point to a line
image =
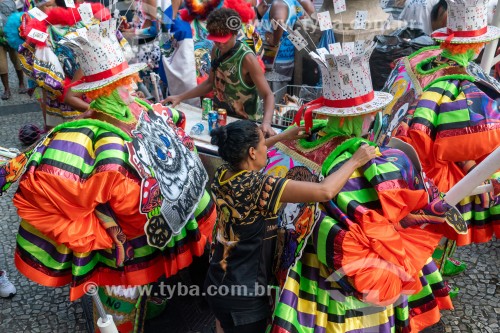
40	309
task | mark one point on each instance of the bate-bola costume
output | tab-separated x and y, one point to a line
446	107
360	262
116	197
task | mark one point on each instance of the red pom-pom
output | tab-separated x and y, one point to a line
243	8
185	16
38	25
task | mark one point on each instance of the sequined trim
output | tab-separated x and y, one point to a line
468	130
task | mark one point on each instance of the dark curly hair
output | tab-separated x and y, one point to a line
223	21
234	140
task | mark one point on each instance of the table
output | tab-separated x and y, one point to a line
193	116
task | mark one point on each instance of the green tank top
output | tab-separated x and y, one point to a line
230	90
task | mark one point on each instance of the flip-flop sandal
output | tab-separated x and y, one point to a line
23	90
6	96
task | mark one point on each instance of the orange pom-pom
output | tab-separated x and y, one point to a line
462	48
107	90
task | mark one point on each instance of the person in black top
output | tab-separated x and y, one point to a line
245	235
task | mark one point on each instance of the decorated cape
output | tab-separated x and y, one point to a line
352	267
112	201
449	114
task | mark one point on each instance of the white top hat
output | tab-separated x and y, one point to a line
100	55
347	84
467	23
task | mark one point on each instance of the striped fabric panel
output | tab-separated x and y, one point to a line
56	260
361	190
309	303
77	153
442	93
454	108
72	153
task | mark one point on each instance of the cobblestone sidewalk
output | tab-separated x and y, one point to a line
40	309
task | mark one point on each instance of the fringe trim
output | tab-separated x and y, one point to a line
296	156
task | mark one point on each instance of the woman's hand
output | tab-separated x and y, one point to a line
293	133
174	100
364	154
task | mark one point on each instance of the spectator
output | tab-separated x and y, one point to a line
417	13
7	7
246	231
286	12
236	76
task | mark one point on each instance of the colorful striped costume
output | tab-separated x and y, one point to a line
358	271
84	210
449	114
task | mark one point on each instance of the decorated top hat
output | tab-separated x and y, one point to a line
347	84
100	55
467	23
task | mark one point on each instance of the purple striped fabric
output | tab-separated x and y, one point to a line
109	146
73	148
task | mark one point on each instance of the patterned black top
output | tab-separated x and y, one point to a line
245	235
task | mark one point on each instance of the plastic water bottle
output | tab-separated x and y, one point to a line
197	129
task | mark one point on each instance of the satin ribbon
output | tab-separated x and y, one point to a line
450	34
107	73
308	108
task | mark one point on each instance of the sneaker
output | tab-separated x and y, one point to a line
7	289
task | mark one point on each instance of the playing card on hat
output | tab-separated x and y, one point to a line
335	49
325	21
37	13
348	49
360	19
330	61
297	40
69	3
322	52
339	6
359	47
317	58
82	32
86	14
38	35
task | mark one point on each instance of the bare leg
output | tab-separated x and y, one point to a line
20	77
5	81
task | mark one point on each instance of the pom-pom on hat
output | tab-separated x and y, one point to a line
100	55
467	23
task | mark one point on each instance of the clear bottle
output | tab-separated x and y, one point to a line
197	129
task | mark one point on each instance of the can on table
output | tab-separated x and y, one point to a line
222	117
212	121
206	105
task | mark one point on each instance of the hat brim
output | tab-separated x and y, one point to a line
89	86
380	101
220	39
492	33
